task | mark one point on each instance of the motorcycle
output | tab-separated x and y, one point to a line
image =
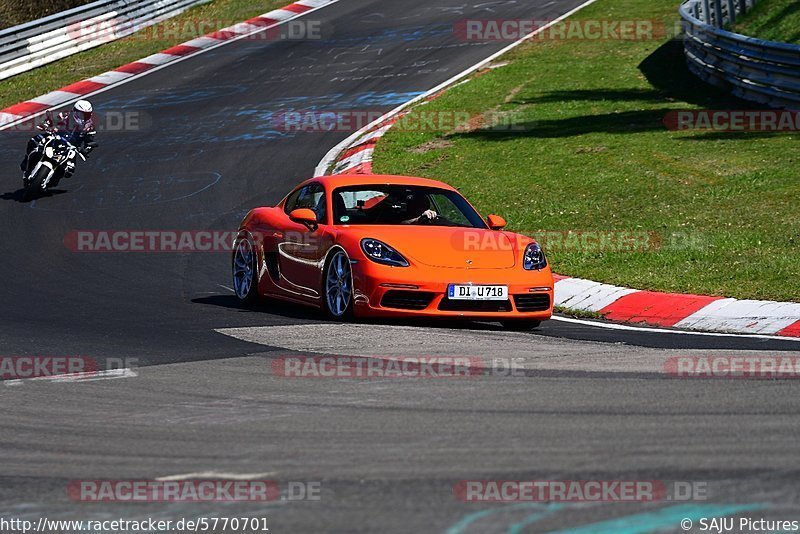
54	154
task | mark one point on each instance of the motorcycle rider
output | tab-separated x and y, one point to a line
77	127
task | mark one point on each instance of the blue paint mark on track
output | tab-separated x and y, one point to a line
543	510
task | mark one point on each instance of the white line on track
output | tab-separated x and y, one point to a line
218	475
617	326
91	376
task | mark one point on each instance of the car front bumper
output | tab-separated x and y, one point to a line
383	291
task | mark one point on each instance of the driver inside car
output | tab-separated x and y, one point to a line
419	210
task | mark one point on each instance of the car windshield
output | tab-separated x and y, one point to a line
403	204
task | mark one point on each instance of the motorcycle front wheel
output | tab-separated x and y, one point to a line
36	184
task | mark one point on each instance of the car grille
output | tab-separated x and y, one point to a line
532	302
406	300
475	305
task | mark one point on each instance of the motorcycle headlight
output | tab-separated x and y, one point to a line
48	151
380	252
534	258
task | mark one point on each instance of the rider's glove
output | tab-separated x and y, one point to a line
90	145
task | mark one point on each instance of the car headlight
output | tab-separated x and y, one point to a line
534	258
380	252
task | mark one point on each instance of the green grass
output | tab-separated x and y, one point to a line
14	12
577	314
773	20
202	19
17	12
595	155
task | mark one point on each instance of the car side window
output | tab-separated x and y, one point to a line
320	207
445	207
312	197
291	202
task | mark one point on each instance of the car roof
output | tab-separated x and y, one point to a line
344	180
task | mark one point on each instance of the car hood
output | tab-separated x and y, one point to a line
436	246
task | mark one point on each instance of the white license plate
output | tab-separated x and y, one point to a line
459	292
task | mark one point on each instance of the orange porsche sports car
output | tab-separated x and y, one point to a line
391	246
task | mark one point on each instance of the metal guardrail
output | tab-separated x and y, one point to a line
49	39
752	69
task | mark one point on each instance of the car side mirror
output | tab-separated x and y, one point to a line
496	222
305	216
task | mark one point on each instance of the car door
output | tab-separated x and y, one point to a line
302	250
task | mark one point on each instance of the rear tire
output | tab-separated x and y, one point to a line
36	184
521	325
245	271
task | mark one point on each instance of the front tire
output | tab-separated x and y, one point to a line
337	286
521	325
245	271
36	184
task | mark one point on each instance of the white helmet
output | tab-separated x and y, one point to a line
81	112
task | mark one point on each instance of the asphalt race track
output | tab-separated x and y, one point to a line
592	403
